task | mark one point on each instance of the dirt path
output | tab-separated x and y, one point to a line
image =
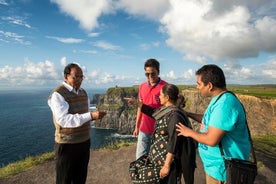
111	167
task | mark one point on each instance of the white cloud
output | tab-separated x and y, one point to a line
85	11
144	46
63	61
106	46
93	34
261	73
196	58
198	29
30	74
170	75
268	70
147	46
89	51
153	9
66	40
219	29
14	37
3	2
267	33
189	74
17	21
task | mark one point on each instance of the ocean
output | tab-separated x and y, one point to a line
26	126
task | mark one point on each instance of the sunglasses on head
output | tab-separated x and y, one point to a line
153	74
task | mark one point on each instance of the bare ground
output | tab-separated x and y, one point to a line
111	167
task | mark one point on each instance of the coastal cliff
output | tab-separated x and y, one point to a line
261	112
120	115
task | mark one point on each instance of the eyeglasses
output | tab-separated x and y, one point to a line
153	74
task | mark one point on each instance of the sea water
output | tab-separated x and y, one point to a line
26	126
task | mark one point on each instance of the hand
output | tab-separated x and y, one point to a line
131	101
164	172
97	114
136	132
182	130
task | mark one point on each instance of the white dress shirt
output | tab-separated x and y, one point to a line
60	108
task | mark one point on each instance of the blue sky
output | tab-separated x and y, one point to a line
111	39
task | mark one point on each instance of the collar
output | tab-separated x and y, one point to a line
70	88
155	83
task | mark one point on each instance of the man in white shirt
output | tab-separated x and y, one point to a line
71	116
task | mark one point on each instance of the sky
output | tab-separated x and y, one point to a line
112	39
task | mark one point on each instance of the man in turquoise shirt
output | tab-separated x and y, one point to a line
223	121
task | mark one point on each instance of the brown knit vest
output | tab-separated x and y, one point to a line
78	103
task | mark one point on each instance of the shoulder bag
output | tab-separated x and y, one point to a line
240	171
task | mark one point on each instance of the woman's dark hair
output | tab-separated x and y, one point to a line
67	69
173	92
181	101
213	74
152	63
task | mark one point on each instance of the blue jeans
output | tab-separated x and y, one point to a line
143	144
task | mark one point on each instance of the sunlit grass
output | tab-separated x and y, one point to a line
263	143
20	166
29	162
118	145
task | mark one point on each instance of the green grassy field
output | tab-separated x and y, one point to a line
262	91
255	90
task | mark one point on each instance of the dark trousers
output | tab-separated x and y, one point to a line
72	162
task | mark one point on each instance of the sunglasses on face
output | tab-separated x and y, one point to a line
153	74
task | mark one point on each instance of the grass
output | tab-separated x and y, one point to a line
254	90
29	162
265	144
262	91
262	143
118	145
23	165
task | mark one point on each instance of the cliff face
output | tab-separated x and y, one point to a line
261	113
119	116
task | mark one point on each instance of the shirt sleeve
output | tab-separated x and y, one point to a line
172	121
60	108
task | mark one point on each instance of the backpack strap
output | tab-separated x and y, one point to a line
249	134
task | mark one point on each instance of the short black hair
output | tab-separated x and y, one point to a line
213	74
67	69
152	63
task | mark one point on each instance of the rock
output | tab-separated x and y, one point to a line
261	112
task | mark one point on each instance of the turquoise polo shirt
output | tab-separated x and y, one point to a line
227	114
